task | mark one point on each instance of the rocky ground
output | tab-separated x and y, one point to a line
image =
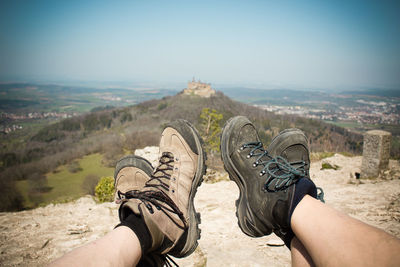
36	237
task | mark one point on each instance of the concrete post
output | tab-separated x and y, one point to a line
376	153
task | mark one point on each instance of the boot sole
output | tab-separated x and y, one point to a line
193	234
243	212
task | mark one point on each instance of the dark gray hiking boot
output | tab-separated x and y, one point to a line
265	179
166	201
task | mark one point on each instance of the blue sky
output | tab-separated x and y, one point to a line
292	44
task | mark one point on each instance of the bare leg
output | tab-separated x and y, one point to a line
300	256
335	239
120	247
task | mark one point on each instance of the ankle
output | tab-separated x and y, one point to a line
303	187
137	224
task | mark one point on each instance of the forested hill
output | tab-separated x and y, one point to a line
115	132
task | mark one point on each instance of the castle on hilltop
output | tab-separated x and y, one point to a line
199	88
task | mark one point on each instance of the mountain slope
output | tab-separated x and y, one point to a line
115	132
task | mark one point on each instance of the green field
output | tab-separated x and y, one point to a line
66	185
394	129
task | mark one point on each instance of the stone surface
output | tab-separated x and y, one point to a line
376	153
150	153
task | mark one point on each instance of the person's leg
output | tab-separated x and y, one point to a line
335	239
299	254
120	247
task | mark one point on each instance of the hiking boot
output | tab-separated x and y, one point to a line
265	178
166	201
131	173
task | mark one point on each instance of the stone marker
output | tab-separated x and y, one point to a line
376	153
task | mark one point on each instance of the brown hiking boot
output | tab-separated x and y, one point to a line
131	173
166	201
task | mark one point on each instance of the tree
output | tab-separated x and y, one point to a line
210	129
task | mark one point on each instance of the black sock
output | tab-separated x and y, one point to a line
138	226
303	187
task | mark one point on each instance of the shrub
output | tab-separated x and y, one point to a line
71	124
161	106
74	167
49	133
9	159
104	190
328	166
10	197
126	116
89	184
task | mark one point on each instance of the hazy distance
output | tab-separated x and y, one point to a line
260	44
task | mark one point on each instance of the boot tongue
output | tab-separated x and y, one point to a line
281	174
248	134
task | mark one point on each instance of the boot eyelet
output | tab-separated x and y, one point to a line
176	159
173	178
254	165
241	148
248	156
173	191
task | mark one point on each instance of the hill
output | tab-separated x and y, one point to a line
118	131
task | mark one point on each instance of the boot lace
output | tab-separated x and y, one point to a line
163	171
281	173
168	261
153	193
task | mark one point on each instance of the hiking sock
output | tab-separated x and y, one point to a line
303	187
137	225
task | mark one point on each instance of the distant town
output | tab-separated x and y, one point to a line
346	109
370	112
4	116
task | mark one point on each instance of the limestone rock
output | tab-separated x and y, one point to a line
150	153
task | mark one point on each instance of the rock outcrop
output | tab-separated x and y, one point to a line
36	237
